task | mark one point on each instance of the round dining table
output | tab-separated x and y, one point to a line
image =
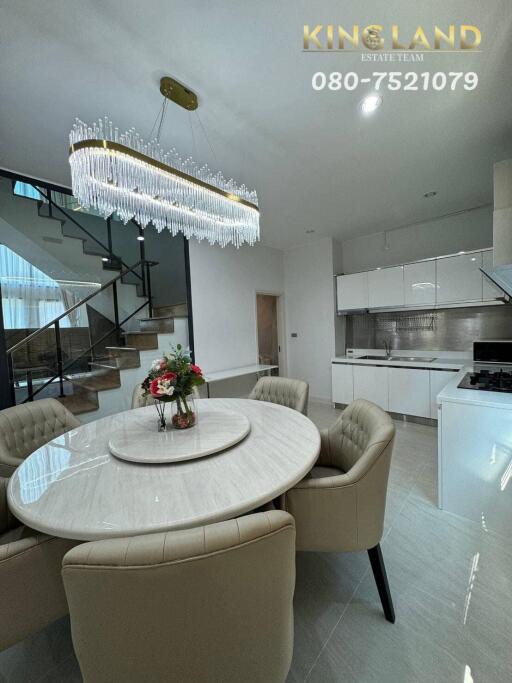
74	487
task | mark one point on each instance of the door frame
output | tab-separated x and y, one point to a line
281	328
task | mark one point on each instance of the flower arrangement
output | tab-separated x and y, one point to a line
173	378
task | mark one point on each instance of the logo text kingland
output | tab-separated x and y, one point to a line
377	37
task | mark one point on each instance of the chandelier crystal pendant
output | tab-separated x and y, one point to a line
120	173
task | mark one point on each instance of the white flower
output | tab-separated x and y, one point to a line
165	388
157	363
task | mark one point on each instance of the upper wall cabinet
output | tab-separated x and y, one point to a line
443	282
459	278
386	287
420	283
352	291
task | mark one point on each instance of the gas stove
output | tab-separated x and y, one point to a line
488	380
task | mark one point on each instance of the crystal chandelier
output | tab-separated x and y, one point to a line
121	173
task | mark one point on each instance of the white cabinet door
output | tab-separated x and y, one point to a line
459	278
409	391
352	291
371	383
420	283
438	380
386	287
342	383
489	289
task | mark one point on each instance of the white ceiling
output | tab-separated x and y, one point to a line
314	160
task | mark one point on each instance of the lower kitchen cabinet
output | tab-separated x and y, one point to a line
342	383
409	391
371	383
438	380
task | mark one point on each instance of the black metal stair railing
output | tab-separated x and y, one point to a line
63	369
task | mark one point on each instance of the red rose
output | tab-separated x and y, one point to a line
153	387
196	369
170	376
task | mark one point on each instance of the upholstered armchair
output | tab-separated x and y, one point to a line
26	427
292	393
31	590
212	603
339	506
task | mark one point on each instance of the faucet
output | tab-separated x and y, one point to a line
387	346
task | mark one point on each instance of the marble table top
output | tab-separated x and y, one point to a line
136	437
74	488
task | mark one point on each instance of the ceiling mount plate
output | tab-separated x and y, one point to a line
178	93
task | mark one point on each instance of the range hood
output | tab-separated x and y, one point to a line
501	273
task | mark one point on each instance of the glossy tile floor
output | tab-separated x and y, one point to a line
451	582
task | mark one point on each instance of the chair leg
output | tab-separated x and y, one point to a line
381	579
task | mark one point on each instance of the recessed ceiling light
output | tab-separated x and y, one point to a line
310	231
140	238
370	104
432	193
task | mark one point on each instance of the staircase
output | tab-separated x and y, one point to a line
108	386
114	370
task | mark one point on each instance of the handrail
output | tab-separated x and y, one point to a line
64	369
48	197
77	305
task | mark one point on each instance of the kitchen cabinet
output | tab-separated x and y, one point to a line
438	380
409	391
386	287
420	283
489	289
342	383
371	383
459	278
352	291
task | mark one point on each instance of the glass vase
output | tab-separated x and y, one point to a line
184	414
160	409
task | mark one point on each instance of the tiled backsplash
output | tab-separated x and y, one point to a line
447	329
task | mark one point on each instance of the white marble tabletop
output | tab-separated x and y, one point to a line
74	488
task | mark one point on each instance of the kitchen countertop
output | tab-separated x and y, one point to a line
436	364
490	399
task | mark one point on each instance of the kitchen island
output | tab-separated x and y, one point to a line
475	454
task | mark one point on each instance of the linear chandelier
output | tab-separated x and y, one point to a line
120	173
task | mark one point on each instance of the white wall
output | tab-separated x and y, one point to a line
224	284
309	305
448	235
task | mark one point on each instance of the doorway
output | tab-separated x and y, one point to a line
269	343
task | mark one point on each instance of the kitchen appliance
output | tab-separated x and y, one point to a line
488	380
492	360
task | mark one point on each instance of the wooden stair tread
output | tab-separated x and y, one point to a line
121	348
159	317
78	404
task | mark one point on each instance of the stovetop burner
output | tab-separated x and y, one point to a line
488	380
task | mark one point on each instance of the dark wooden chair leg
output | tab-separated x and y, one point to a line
381	579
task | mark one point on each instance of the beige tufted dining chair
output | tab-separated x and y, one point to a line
26	427
292	393
31	590
339	506
214	603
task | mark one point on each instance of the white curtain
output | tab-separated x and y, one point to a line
30	298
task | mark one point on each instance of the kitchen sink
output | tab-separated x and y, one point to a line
410	359
414	359
374	357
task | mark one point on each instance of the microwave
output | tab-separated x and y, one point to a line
496	351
